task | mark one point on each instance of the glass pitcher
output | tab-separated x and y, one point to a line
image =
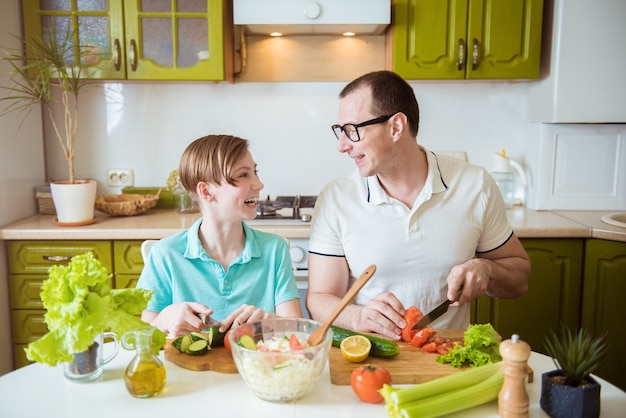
145	374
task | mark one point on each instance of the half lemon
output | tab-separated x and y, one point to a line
355	348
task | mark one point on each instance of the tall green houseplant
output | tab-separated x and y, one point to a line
43	74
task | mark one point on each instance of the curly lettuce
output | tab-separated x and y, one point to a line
80	305
481	347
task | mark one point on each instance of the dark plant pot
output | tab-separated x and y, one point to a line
563	401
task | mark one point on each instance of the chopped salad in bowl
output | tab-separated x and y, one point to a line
274	359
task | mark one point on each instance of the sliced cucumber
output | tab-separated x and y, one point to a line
196	336
185	343
216	338
198	347
246	341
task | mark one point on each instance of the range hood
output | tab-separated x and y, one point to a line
318	17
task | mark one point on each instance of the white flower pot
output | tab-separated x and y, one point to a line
74	203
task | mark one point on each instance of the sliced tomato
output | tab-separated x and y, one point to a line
422	336
411	316
227	341
294	343
430	347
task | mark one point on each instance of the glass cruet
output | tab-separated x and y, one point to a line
145	374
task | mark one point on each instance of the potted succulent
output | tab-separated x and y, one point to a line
81	307
570	391
44	73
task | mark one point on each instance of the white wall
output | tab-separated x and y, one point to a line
21	169
146	126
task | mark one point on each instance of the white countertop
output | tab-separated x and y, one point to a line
158	223
38	390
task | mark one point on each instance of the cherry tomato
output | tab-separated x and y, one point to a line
367	379
422	336
411	316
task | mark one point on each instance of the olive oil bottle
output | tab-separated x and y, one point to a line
145	375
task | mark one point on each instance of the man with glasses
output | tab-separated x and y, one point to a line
432	224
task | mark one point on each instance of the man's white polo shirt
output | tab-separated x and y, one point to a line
459	212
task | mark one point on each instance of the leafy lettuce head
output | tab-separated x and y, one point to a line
80	304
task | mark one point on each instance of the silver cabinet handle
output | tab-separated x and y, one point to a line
475	55
132	55
117	52
461	55
57	258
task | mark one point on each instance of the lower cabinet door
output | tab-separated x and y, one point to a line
553	295
603	303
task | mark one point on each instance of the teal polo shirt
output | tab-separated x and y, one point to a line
178	269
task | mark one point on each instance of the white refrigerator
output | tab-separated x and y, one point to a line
21	169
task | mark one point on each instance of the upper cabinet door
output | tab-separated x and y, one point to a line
174	39
137	39
97	44
504	39
467	39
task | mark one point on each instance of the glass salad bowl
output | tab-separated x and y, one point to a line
272	363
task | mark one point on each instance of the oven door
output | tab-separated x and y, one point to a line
299	249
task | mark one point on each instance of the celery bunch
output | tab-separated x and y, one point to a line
445	395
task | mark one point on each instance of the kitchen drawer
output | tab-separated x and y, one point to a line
127	257
25	291
36	257
126	281
28	325
19	356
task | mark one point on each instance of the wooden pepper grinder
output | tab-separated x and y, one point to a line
513	398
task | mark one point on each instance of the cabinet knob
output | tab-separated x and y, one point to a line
56	258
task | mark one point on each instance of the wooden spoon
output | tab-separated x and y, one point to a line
317	336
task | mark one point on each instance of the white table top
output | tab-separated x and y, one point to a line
38	390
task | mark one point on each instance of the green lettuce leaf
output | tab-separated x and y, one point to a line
481	347
80	305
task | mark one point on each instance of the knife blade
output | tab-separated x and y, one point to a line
437	312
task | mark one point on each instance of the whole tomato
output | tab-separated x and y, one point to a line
227	341
367	379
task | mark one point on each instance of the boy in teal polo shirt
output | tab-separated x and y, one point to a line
219	266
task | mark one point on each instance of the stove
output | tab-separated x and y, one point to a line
274	209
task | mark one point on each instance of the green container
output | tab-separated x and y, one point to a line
166	198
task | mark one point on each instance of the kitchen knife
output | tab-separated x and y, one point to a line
437	312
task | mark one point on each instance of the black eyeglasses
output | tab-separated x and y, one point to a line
352	131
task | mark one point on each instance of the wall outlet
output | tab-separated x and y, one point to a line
120	177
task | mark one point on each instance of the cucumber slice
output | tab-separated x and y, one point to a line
216	338
246	341
196	336
185	343
198	347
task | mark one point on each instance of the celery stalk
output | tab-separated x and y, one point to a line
456	400
444	384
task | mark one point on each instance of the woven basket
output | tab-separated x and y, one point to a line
44	200
126	204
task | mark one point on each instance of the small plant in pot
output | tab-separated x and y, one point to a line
47	71
570	391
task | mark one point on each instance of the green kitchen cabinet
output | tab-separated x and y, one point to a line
467	39
128	263
603	303
29	262
136	39
553	297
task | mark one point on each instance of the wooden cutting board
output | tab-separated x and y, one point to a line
411	366
218	359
